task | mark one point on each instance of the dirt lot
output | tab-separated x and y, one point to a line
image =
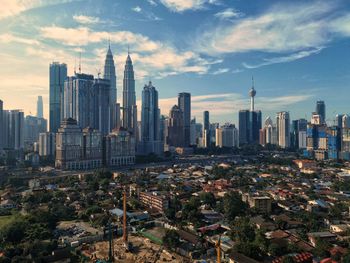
144	251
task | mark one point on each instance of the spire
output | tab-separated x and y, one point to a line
79	62
109	43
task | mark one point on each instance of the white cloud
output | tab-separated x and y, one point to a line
15	7
152	2
283	28
137	9
221	71
284	59
228	13
86	19
9	38
183	5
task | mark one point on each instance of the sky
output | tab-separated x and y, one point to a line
298	51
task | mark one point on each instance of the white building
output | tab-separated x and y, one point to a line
283	129
226	136
47	144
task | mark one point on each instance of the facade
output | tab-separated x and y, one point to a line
33	126
206	129
345	144
110	74
150	122
321	110
175	127
193	133
13	137
78	99
40	107
155	201
119	148
102	106
129	99
226	136
184	103
58	74
283	129
346	121
339	120
47	144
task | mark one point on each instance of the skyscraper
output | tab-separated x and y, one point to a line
184	102
150	122
250	121
110	74
101	108
129	98
339	120
175	127
40	107
206	129
78	99
321	110
226	136
58	74
14	129
283	129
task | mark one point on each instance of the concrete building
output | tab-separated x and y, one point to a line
47	144
227	136
283	129
58	74
119	148
175	127
184	103
13	128
110	74
40	108
102	107
33	126
206	129
150	122
155	201
129	98
2	125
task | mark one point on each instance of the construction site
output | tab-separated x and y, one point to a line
130	248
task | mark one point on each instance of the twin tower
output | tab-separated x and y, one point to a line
129	108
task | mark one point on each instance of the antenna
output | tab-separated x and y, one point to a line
253	81
128	49
79	62
75	66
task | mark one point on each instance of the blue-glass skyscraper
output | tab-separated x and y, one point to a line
184	103
58	74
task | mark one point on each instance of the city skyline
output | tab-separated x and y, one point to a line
292	70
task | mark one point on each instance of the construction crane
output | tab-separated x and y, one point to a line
218	250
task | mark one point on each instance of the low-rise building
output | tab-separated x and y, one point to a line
154	200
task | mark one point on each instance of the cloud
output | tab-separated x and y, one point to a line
221	71
14	7
86	19
152	2
284	59
283	28
228	13
137	9
9	38
184	5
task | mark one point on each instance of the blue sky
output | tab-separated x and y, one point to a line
297	51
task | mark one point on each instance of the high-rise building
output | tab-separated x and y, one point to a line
58	74
321	110
47	144
297	127
110	74
150	122
120	148
206	129
334	142
346	121
175	127
33	126
283	129
250	121
13	129
193	132
339	120
184	103
129	98
101	106
345	144
40	107
226	136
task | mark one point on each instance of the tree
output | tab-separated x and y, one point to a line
233	205
322	248
207	198
288	259
171	239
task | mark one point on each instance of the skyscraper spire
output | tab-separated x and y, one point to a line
110	74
